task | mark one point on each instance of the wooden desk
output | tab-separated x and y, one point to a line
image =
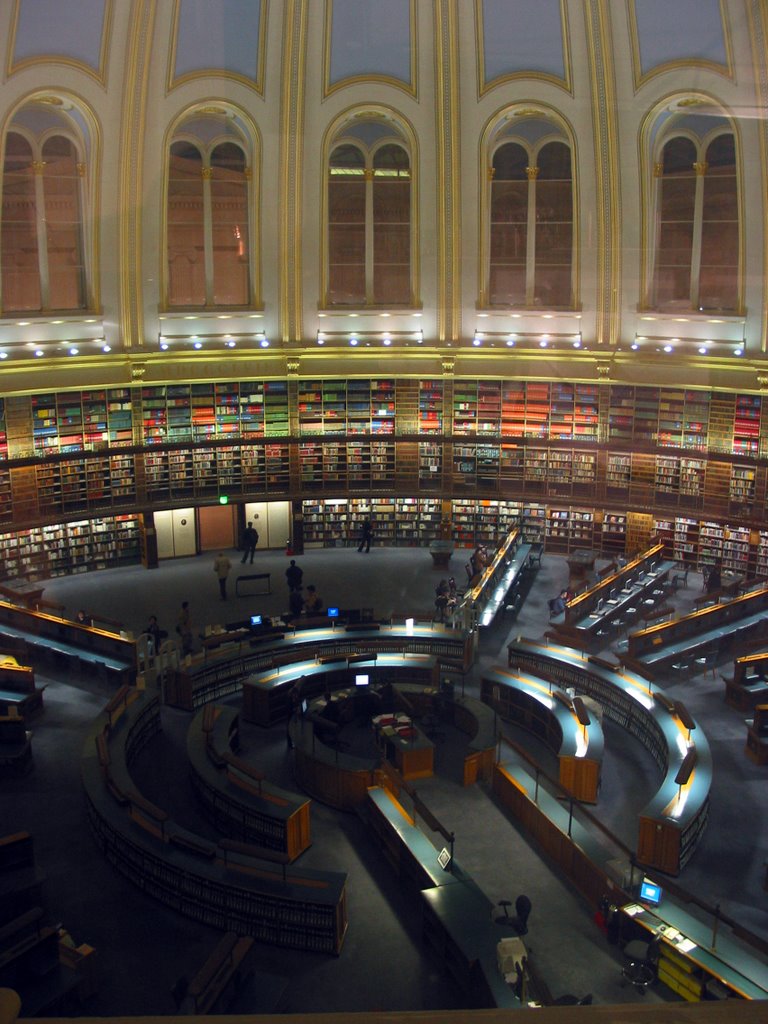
757	736
28	594
688	959
528	702
653	649
671	824
581	561
748	686
255	812
593	611
441	552
220	672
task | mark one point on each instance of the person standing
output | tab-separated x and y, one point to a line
221	567
184	628
250	540
296	602
366	535
294	574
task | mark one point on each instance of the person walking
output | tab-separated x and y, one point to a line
221	567
366	535
250	540
294	574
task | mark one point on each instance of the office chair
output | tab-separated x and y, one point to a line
641	967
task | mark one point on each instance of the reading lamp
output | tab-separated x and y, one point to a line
665	701
580	711
686	768
685	719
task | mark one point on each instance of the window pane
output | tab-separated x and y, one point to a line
674	243
509	226
229	219
186	235
61	189
346	227
391	227
554	227
719	276
19	264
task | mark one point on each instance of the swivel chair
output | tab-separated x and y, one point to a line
642	963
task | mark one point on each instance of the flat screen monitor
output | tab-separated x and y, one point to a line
361	680
255	620
650	892
333	613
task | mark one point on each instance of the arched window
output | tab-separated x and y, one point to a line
42	263
697	231
369	219
530	245
208	232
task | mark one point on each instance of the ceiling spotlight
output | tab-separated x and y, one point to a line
198	344
230	343
477	340
577	343
703	350
164	345
106	348
739	351
264	343
667	348
73	351
39	352
543	343
510	342
634	346
353	341
387	340
3	355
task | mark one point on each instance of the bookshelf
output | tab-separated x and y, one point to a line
430	407
430	466
667	475
618	473
692	476
671	418
746	425
613	534
710	543
67	548
742	489
736	548
685	540
696	420
533	523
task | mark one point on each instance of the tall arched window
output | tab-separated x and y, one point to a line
369	219
208	227
42	263
530	244
697	230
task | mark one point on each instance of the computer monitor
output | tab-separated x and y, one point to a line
361	680
256	620
333	613
650	892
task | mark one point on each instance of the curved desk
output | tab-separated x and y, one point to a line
671	825
239	800
219	673
529	702
219	882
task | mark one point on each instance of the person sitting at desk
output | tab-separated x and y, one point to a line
83	618
715	579
152	629
313	603
557	604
